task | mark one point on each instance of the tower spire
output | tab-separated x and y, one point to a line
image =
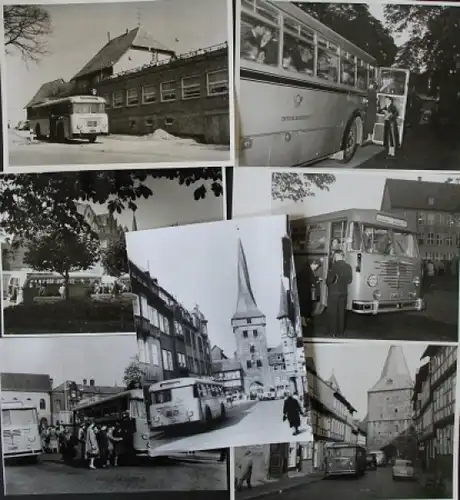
395	373
246	306
284	309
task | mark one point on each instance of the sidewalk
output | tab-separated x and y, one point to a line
195	457
278	486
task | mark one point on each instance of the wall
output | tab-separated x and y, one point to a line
205	118
32	398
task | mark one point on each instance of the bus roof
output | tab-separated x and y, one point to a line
74	98
343	445
180	382
301	16
17	405
133	394
365	215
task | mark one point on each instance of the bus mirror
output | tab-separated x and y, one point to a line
358	263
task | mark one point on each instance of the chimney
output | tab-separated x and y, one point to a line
85	382
108	36
91	382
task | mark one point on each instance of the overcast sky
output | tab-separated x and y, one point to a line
357	366
99	357
80	31
248	201
198	265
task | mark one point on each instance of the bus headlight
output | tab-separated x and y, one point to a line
287	136
247	143
190	413
32	439
376	295
413	295
145	437
416	281
156	419
372	280
79	127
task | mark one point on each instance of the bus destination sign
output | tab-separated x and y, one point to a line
391	220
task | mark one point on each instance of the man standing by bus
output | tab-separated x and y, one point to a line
340	275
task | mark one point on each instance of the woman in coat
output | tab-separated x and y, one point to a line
92	448
244	471
390	131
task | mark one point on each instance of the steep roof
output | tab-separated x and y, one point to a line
395	374
421	195
226	365
113	50
333	383
50	90
93	389
284	310
246	306
27	382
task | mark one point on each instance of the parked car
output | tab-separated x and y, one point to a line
371	461
403	469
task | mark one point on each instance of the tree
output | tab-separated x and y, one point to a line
296	187
34	203
115	258
62	251
25	29
134	374
355	23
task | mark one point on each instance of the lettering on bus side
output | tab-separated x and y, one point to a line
294	118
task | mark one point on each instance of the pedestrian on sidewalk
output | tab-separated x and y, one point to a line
92	448
340	275
390	130
244	471
103	442
292	412
371	112
307	282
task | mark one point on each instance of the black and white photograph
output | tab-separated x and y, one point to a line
383	424
381	264
74	422
64	263
118	83
218	327
368	85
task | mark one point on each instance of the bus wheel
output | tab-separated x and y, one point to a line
223	412
350	140
60	133
92	139
318	308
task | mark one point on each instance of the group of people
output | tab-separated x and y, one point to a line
92	445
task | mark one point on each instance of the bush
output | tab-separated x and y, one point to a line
69	316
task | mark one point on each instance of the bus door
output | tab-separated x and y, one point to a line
393	83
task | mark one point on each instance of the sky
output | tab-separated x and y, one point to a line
80	31
170	204
377	10
357	367
198	265
99	357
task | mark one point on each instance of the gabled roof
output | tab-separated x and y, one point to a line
51	90
246	306
27	382
395	374
421	195
333	382
113	50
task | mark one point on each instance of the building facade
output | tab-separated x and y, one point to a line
228	372
30	389
389	401
172	341
434	412
432	208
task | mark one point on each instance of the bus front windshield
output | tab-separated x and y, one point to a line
383	241
19	417
88	107
137	409
342	452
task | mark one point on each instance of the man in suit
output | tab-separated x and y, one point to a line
339	276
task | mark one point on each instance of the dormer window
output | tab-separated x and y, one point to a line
431	201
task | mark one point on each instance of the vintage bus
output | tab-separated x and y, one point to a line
20	431
76	117
345	459
186	401
381	249
380	458
112	408
303	90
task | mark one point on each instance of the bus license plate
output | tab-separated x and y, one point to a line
396	295
92	131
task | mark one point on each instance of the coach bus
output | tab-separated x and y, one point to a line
76	117
303	88
20	431
381	249
112	409
186	401
345	459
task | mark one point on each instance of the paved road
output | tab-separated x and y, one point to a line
374	485
247	423
110	149
52	477
437	323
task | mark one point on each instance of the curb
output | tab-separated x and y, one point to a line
288	487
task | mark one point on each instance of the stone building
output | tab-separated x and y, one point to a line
389	401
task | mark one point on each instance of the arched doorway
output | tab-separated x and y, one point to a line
256	389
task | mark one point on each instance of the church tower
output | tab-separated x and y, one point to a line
389	401
249	328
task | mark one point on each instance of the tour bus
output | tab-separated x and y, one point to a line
20	431
381	249
345	459
186	401
303	88
76	117
111	409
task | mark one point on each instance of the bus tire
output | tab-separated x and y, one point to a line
351	139
92	139
60	133
223	412
318	309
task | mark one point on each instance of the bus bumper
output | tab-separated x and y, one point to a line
22	454
379	307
